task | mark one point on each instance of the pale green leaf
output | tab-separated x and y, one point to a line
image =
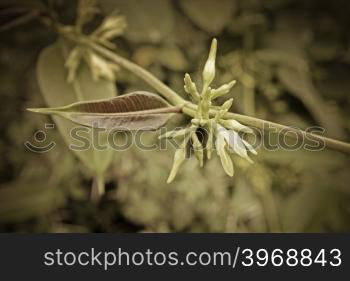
210	15
23	200
173	58
148	21
300	84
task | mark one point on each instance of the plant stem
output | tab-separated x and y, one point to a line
270	210
294	133
149	78
190	109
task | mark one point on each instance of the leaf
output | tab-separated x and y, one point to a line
22	200
211	16
281	57
134	111
86	11
52	81
148	21
173	58
289	40
300	84
318	204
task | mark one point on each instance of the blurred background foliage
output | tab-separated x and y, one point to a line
292	62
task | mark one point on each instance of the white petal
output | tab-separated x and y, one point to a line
235	142
226	161
249	147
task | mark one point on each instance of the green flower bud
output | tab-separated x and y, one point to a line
100	68
219	115
209	68
236	126
223	90
179	158
73	62
227	105
190	88
112	26
223	109
195	122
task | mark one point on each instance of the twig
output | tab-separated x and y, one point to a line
20	20
190	108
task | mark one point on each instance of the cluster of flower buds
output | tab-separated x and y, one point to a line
100	68
222	134
112	26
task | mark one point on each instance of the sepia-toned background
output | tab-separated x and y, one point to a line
291	60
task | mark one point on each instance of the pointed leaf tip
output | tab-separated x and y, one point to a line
32	110
41	110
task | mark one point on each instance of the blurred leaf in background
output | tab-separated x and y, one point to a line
52	78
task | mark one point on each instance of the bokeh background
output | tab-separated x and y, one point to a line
292	62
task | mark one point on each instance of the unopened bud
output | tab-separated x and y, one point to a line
223	90
236	126
190	88
209	68
227	104
179	158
